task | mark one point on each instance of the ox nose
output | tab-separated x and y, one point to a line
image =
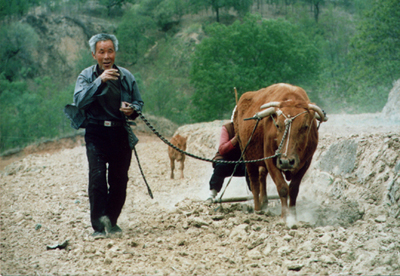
286	163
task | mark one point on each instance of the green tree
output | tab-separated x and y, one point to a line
376	46
241	6
166	88
249	56
16	7
169	13
19	41
113	4
136	33
10	97
376	54
29	113
332	36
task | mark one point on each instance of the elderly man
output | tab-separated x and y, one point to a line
106	96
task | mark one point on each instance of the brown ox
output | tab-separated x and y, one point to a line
179	142
273	106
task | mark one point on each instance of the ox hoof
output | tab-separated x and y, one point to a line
264	206
291	221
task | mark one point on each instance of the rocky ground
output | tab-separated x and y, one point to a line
348	212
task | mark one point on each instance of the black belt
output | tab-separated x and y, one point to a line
106	123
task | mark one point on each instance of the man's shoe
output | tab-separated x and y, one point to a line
107	223
115	229
99	235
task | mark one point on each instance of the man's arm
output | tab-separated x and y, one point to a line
226	144
129	109
85	90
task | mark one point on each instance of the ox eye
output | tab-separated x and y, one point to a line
304	128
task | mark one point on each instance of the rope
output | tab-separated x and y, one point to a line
141	171
241	157
288	123
277	153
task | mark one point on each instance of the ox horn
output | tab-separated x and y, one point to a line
262	114
320	115
270	104
270	109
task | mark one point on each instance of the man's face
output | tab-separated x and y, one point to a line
105	54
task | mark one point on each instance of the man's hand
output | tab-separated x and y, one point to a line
109	74
126	109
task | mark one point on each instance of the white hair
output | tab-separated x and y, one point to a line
102	37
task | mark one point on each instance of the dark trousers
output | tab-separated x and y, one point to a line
109	156
223	170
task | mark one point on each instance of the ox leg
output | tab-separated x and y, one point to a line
295	186
293	192
182	167
262	179
172	167
255	185
283	190
281	186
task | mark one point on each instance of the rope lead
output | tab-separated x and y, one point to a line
202	158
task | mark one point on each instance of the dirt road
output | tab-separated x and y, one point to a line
44	204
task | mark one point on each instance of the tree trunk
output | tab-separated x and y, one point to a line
316	11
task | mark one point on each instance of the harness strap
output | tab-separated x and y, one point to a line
288	124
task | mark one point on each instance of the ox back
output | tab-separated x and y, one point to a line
174	155
288	105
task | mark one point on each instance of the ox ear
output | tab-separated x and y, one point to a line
319	113
270	104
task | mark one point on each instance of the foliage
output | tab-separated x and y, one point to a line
249	56
332	38
135	33
18	42
376	51
166	87
27	115
111	4
315	44
241	6
375	56
85	60
169	12
16	7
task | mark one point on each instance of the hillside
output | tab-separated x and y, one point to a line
63	40
45	48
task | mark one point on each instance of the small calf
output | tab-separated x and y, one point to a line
179	142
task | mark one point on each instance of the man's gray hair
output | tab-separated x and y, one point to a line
102	37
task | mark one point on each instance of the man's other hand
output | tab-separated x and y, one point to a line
126	109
